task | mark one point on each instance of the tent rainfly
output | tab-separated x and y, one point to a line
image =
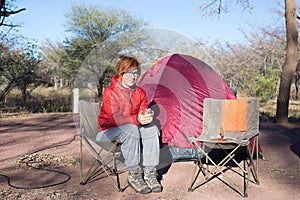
176	87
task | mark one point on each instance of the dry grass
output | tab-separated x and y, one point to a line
41	100
49	100
269	108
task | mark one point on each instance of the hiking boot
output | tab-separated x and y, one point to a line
150	177
136	181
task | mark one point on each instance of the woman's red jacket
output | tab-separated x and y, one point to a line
120	105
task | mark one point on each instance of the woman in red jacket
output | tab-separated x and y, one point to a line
125	115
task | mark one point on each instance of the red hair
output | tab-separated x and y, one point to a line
127	64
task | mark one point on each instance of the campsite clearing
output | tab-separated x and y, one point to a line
51	141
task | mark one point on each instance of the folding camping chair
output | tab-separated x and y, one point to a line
106	154
228	126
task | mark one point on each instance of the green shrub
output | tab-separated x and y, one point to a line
263	86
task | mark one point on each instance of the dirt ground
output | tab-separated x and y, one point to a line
54	136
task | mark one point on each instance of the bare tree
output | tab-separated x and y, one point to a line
6	11
254	66
291	56
290	64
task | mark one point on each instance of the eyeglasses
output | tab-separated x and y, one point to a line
133	73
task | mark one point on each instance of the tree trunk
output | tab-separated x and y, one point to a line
6	90
290	64
296	90
297	79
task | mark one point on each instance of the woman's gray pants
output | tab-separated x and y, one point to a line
134	141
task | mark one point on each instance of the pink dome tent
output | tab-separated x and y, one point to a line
176	87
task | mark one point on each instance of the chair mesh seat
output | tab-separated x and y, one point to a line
106	154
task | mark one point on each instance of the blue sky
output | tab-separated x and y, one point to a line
46	19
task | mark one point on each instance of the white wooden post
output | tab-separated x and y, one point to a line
76	100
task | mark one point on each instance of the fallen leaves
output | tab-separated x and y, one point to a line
41	161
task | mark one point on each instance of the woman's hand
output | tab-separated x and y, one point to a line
145	116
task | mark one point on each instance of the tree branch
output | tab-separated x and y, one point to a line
210	4
4	12
7	13
9	25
